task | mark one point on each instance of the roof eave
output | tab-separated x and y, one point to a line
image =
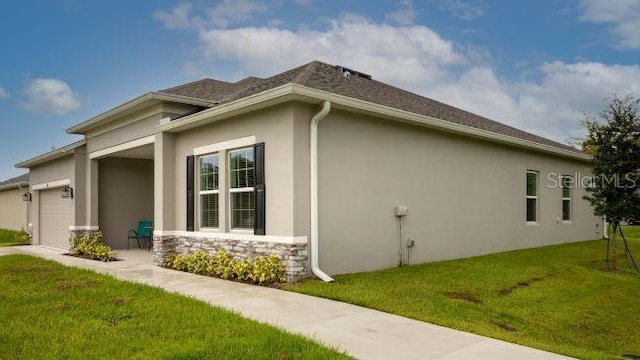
298	92
131	105
15	185
51	155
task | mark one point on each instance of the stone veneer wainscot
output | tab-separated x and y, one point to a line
293	256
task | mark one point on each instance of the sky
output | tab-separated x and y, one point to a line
541	66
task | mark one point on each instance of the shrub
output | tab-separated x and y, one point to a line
262	270
92	246
268	270
22	237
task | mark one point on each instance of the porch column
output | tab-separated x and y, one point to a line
92	193
164	182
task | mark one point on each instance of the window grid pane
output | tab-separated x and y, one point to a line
242	210
532	186
241	169
209	213
531	210
209	173
566	210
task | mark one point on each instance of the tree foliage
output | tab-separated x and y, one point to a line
613	140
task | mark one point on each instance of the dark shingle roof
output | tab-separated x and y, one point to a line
321	76
15	180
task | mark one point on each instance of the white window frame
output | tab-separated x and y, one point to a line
533	197
569	198
237	190
207	192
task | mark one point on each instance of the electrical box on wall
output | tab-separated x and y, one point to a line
402	210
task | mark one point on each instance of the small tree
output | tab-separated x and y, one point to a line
614	141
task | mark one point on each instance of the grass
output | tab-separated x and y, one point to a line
8	237
51	311
555	298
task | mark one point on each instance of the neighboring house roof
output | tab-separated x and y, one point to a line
15	183
325	77
52	155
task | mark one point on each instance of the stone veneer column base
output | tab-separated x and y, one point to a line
163	247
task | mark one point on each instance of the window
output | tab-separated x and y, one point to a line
532	196
567	183
241	188
209	205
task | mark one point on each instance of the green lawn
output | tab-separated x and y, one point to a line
555	298
51	311
8	237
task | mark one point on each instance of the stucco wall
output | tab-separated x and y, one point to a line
138	125
13	211
125	197
274	127
465	197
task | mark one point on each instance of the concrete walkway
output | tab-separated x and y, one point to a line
363	333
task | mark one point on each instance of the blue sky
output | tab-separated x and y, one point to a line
536	65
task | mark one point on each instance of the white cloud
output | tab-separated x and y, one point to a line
49	96
235	11
464	10
551	102
178	18
551	106
409	55
622	15
3	93
405	14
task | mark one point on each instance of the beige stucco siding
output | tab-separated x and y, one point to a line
274	127
465	197
125	197
13	211
135	126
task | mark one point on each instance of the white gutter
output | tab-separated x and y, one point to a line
326	107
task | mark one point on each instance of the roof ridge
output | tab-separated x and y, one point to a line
178	87
302	77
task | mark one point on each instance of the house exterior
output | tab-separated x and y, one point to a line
324	166
14	208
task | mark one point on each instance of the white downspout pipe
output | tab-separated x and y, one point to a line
326	107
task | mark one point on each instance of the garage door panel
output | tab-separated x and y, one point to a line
55	219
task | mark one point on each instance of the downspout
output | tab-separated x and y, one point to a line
326	107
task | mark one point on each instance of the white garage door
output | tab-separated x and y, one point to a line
55	218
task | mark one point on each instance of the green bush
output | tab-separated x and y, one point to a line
22	237
261	271
92	246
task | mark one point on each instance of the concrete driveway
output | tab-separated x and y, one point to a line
361	332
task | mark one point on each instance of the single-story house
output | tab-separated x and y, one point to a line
324	166
14	203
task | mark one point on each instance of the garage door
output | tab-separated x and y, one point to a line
55	218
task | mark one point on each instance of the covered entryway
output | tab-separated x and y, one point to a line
125	193
55	219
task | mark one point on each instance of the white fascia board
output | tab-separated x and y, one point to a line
15	185
121	147
235	236
100	119
303	93
51	184
51	155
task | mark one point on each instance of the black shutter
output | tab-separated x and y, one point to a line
190	197
259	190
